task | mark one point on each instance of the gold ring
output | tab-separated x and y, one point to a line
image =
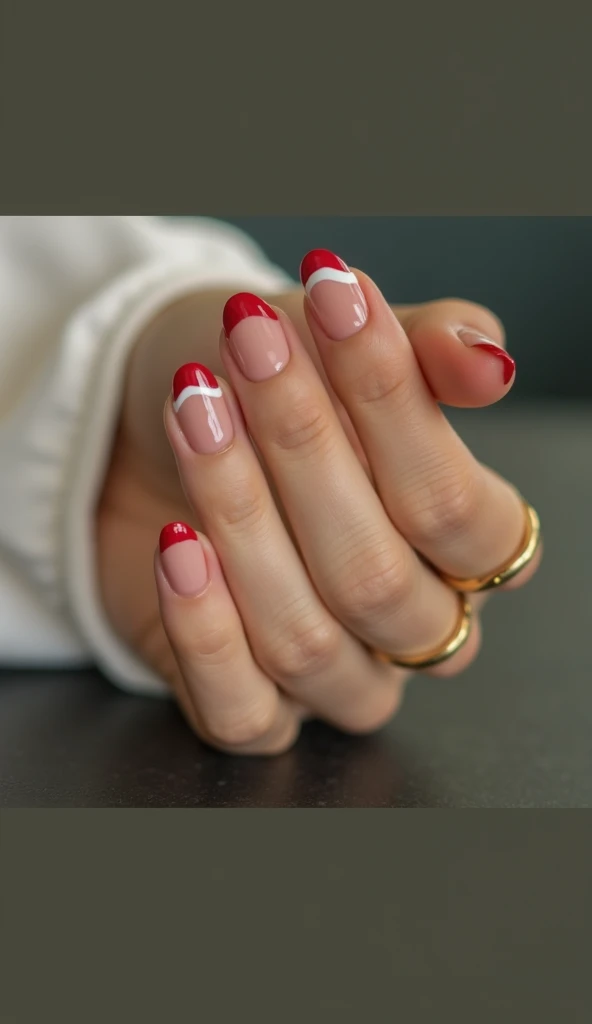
442	653
526	552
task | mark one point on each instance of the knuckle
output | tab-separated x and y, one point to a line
384	382
448	508
242	728
374	715
308	649
213	647
242	508
283	741
377	584
305	429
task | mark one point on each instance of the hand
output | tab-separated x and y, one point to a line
316	537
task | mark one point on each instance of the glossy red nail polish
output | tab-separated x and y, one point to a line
200	406
255	336
474	339
183	560
321	260
194	379
508	364
334	293
175	533
243	305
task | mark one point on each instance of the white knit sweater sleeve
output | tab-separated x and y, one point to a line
74	294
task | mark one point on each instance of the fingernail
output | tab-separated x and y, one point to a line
183	560
334	294
201	409
255	336
472	339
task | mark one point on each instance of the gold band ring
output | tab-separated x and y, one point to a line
439	654
526	552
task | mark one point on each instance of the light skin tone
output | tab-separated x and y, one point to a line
326	489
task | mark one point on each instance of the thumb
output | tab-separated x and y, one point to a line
460	348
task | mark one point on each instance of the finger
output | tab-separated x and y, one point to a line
366	573
460	348
447	505
228	699
294	638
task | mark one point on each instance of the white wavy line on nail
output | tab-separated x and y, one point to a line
329	274
195	389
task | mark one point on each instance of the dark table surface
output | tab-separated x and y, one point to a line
514	731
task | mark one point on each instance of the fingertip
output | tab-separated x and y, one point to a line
506	365
461	375
182	560
460	348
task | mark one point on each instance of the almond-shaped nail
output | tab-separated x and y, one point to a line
473	339
334	293
255	336
183	560
198	401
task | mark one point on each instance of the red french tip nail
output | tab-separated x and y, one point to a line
242	305
508	364
320	259
174	533
193	375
